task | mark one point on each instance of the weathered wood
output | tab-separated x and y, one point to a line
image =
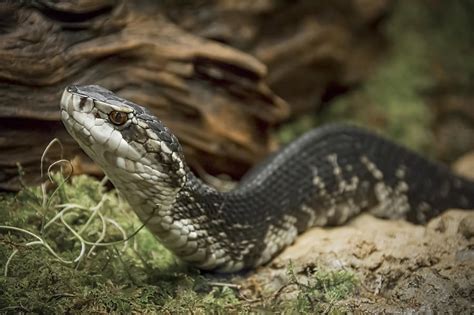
189	61
314	50
212	96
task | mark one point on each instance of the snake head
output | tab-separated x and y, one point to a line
133	147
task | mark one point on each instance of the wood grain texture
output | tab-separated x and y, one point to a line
191	62
212	96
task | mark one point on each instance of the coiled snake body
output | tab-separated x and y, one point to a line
323	178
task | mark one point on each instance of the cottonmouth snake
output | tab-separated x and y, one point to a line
323	178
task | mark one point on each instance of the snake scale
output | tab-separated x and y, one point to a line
325	177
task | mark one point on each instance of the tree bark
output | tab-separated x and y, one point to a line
191	63
212	96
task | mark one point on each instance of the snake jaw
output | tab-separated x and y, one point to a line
137	156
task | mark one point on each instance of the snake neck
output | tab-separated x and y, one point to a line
211	230
200	231
179	217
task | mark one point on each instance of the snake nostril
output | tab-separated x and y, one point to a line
71	88
82	103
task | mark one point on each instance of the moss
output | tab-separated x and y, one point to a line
320	290
291	130
139	277
393	99
429	50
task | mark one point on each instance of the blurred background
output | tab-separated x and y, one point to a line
236	79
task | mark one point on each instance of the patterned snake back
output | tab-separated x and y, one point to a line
326	177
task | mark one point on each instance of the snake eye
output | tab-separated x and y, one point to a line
118	118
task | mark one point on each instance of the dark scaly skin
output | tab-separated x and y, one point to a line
325	177
265	196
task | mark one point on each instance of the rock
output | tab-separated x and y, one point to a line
466	226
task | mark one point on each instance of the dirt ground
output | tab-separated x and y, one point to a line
401	267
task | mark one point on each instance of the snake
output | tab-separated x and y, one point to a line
323	178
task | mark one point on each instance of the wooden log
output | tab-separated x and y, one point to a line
314	50
212	96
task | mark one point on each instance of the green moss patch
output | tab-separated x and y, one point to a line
43	271
137	276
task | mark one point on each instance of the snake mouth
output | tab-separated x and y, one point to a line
131	154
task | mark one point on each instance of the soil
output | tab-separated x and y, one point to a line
401	267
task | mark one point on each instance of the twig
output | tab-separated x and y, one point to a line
223	284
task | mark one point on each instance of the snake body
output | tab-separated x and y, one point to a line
325	177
